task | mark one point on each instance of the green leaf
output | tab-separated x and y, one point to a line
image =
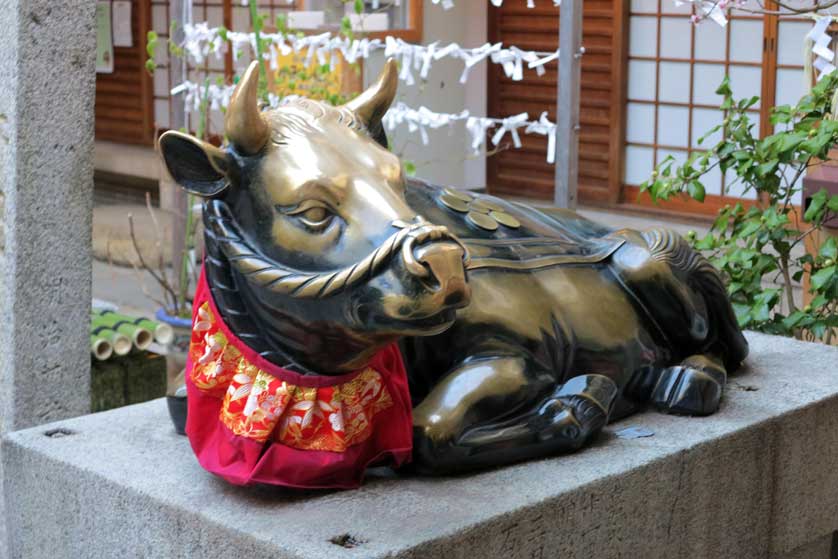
359	7
791	141
829	249
818	302
818	330
724	87
696	190
767	167
151	44
822	277
817	202
750	228
743	314
793	319
410	168
760	312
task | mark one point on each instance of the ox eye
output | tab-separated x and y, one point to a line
313	215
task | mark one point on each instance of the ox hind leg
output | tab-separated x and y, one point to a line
692	387
492	411
682	294
685	299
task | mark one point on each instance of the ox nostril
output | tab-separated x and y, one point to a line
431	282
454	298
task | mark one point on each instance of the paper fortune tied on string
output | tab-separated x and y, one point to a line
417	120
824	56
201	41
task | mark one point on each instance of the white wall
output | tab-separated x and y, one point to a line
447	159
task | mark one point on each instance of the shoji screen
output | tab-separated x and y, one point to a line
674	68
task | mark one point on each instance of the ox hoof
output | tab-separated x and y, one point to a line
590	399
685	390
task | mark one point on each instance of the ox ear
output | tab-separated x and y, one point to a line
200	168
371	105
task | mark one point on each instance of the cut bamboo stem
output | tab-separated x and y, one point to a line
121	344
163	333
100	348
139	336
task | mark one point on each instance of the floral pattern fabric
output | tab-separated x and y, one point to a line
263	407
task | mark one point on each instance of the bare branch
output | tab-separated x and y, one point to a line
144	265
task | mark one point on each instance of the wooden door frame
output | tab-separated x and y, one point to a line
630	198
619	96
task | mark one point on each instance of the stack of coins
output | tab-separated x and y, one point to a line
480	211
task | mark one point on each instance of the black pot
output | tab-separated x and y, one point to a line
176	353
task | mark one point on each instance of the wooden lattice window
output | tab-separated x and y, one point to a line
674	68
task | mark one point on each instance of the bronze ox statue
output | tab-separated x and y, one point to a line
524	330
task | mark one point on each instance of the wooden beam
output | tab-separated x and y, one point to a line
567	105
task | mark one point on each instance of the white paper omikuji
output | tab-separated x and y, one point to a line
417	120
824	56
448	4
202	41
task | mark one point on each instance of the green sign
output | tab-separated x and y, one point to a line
104	39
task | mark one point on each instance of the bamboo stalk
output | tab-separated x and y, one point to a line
120	343
163	333
139	336
100	348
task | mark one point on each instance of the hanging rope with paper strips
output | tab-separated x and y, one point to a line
417	120
448	4
201	41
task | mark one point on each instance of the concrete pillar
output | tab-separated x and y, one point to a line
47	85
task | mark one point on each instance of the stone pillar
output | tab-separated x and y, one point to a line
47	85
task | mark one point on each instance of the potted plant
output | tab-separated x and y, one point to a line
757	245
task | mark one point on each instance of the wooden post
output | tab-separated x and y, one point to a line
567	105
176	199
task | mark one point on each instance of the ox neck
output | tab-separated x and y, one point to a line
276	335
316	348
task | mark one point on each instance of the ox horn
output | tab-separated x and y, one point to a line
244	124
371	105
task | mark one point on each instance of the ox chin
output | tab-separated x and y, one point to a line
404	316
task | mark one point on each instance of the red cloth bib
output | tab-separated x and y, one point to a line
251	421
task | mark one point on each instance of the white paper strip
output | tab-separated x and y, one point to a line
824	56
448	4
202	41
419	120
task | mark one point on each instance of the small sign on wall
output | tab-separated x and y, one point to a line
121	23
104	39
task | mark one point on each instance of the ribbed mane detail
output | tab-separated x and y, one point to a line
303	117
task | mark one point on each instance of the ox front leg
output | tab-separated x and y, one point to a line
494	411
693	387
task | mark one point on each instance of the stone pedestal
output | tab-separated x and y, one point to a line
756	480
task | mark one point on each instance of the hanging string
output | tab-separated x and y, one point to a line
202	41
419	120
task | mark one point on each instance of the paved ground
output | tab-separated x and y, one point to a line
125	287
